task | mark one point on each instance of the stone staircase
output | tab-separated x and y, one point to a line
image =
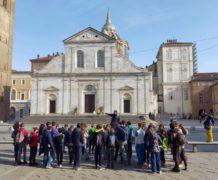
72	119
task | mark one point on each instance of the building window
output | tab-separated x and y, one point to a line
22	96
170	94
13	94
100	58
80	59
169	54
169	73
22	81
185	93
201	98
5	3
13	81
183	54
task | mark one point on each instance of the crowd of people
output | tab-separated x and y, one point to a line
107	143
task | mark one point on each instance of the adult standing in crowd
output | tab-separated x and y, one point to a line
115	119
77	140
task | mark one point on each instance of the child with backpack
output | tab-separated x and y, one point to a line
154	146
110	145
98	142
33	143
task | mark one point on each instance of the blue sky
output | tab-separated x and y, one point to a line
41	25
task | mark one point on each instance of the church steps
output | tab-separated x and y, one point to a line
66	119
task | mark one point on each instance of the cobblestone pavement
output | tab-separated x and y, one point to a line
202	166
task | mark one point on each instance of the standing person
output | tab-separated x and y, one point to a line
16	144
130	140
164	147
178	141
77	140
59	146
91	139
48	147
183	140
106	130
22	137
139	144
208	123
154	145
110	145
64	131
69	144
115	119
85	140
34	139
98	141
146	144
54	133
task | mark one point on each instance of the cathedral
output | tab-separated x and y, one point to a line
93	75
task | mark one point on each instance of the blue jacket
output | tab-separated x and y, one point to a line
77	137
122	133
47	140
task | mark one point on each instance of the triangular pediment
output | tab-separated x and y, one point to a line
51	88
89	35
126	88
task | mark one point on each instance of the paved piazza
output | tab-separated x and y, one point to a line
202	165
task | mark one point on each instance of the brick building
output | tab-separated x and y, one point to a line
6	44
201	95
214	90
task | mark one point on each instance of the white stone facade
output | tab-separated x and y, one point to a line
74	82
175	68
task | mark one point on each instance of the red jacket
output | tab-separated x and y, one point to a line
25	134
34	139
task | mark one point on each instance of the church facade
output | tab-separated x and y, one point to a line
94	74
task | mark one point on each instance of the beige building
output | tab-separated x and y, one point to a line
20	95
176	63
214	90
6	44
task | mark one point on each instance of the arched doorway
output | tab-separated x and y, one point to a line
127	103
52	104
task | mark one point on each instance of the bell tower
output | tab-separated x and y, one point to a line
6	45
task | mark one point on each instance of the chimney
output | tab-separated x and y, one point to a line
38	56
57	54
48	55
53	54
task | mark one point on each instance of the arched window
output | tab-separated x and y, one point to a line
100	58
13	94
80	59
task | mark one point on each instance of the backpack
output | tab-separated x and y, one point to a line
154	144
181	139
131	136
30	140
165	144
207	123
99	139
111	140
19	137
